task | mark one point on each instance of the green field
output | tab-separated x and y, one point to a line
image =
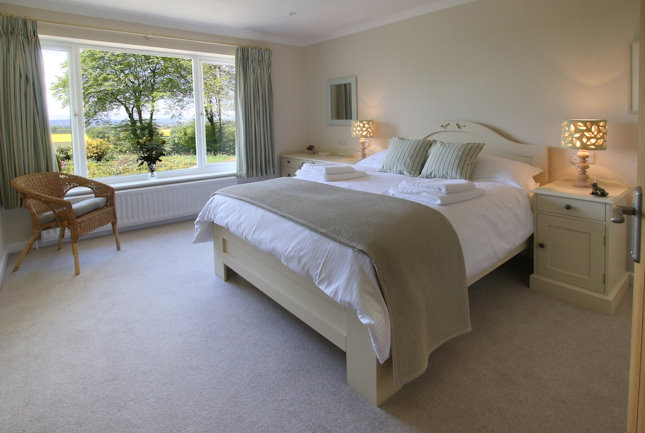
62	138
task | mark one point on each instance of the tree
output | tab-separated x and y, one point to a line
134	83
219	93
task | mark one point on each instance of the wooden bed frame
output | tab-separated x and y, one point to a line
333	321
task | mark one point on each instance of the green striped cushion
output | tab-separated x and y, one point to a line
406	156
451	160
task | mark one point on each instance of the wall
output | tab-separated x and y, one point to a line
520	67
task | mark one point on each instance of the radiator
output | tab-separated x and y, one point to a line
148	205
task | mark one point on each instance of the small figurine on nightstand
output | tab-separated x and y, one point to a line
597	190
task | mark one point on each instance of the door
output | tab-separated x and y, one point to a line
571	251
636	410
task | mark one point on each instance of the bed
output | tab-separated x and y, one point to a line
360	328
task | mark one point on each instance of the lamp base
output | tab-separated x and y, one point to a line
582	183
582	180
363	147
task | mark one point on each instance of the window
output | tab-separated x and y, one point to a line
104	101
60	121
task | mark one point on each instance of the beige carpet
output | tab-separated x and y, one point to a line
148	340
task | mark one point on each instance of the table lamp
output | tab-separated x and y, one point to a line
584	135
363	129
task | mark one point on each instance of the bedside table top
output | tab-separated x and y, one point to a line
316	157
564	188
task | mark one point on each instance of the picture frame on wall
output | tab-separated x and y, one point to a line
635	59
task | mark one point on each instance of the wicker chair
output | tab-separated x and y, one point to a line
43	195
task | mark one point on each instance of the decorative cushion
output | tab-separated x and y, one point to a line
81	208
406	156
451	160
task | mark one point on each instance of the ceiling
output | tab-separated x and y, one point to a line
291	22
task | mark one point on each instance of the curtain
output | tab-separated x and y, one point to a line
25	139
254	142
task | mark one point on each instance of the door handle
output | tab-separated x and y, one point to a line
618	216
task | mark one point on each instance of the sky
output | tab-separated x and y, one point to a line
53	61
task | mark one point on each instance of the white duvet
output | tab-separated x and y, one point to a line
489	227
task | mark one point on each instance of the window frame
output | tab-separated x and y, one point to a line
73	48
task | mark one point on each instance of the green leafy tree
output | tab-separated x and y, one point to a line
219	95
182	138
132	83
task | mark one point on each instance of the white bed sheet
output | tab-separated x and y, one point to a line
489	227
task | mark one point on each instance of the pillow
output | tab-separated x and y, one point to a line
79	209
372	162
515	173
451	160
406	156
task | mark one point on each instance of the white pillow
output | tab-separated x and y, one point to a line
495	169
372	162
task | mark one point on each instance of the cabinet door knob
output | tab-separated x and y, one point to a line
541	245
567	206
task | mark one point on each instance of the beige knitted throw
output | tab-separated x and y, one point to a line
415	251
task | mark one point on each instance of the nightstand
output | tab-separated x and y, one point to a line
579	255
291	162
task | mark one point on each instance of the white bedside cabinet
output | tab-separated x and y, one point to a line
579	255
290	163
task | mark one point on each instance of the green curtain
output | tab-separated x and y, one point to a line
25	139
254	142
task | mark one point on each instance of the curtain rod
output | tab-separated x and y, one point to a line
144	35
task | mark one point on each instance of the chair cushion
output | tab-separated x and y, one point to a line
81	208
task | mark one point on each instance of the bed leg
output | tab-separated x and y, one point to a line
365	374
221	270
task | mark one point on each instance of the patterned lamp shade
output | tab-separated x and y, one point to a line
363	128
584	134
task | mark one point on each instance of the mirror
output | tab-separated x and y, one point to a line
341	101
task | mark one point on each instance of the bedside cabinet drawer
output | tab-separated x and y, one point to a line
293	163
287	171
289	166
571	207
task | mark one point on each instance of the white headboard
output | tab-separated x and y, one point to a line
470	132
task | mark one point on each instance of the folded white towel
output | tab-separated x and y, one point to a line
437	186
308	175
438	199
327	168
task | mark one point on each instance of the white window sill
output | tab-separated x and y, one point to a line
123	183
165	180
